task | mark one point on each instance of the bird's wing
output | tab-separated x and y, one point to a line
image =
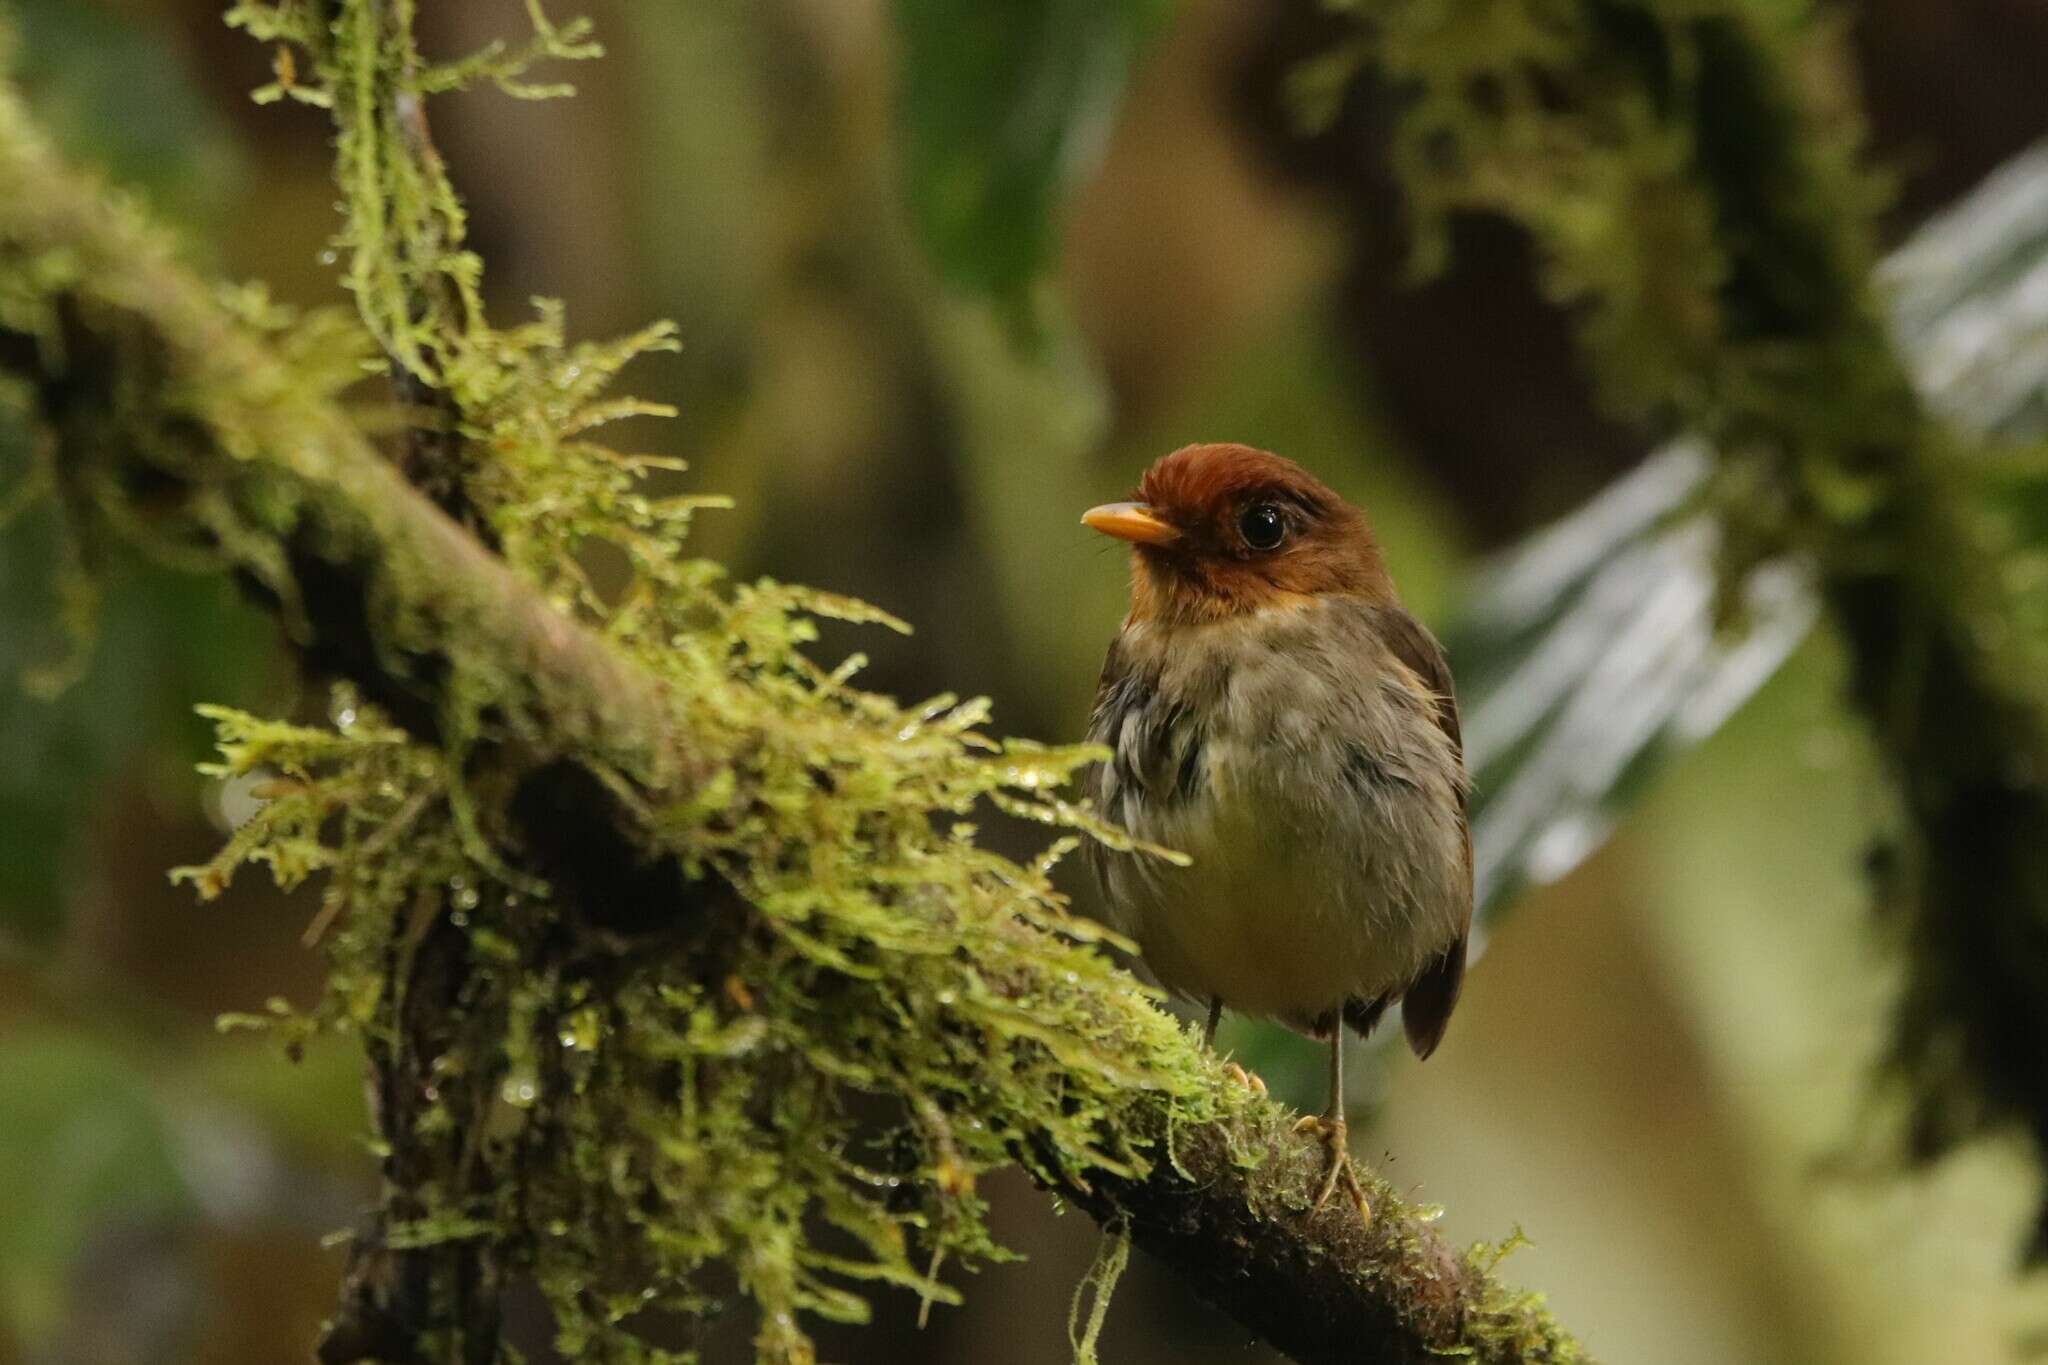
1427	1003
1103	780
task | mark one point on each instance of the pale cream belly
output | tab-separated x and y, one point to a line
1280	916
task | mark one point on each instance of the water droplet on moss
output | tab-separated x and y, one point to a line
581	1031
520	1090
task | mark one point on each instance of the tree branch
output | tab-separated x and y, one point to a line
192	430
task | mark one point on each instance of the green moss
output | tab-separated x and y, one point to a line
653	1125
523	400
1507	1324
1090	1308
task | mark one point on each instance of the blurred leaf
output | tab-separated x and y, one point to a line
164	642
82	1145
1001	107
1589	655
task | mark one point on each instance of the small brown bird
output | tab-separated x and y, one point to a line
1274	713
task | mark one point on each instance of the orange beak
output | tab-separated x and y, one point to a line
1132	521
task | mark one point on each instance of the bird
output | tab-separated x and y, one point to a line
1272	711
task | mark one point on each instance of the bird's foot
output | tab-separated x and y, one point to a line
1248	1079
1336	1137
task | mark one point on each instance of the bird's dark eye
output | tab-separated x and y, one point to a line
1262	526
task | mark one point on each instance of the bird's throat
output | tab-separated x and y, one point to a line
1170	592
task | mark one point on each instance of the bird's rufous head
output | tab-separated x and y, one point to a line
1219	530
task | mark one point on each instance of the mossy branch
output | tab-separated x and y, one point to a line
417	292
700	895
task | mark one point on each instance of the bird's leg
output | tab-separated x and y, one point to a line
1215	1018
1336	1135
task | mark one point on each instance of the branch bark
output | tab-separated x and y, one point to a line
191	428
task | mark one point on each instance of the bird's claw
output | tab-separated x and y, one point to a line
1336	1136
1248	1079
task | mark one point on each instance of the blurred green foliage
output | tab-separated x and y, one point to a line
1002	107
1705	210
